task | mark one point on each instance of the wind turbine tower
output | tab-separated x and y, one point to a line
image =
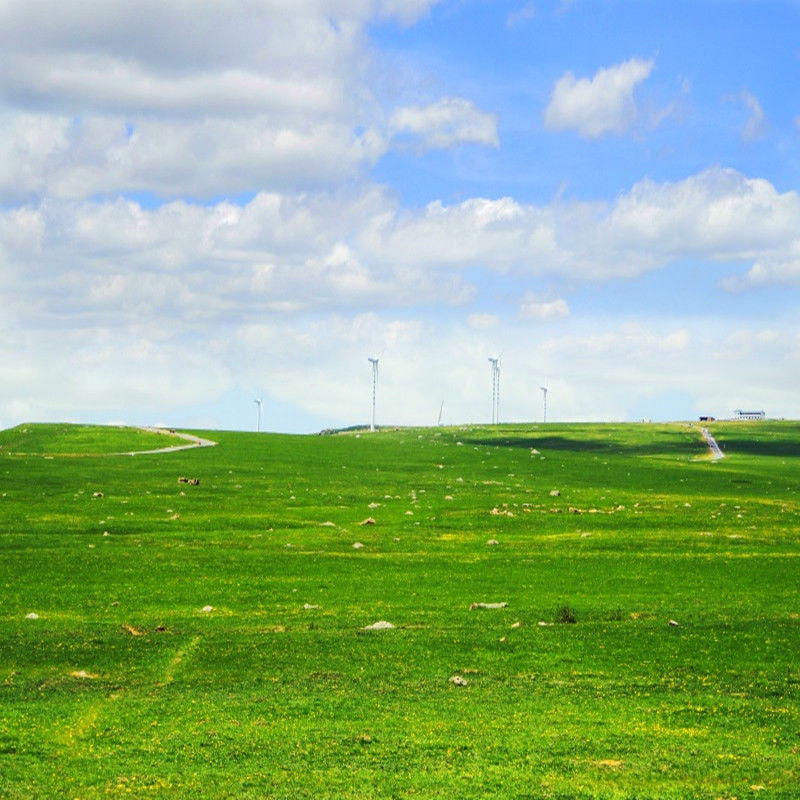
374	362
258	401
544	398
495	362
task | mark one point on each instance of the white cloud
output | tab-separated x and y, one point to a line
296	253
201	99
522	14
534	308
599	105
447	123
482	322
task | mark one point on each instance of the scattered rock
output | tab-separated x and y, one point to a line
492	542
380	625
516	624
448	497
357	545
488	605
502	639
328	524
115	603
501	512
555	493
82	673
458	680
543	624
98	494
374	505
674	623
207	609
194	481
183	479
396	539
32	615
310	607
368	521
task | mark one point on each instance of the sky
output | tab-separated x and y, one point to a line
206	202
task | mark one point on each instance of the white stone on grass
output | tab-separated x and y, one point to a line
458	680
207	609
488	605
492	542
380	625
32	615
357	545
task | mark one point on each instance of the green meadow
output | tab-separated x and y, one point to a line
649	647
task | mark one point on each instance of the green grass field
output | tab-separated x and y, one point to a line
124	687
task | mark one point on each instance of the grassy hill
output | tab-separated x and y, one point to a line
582	686
81	440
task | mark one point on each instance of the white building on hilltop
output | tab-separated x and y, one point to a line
748	415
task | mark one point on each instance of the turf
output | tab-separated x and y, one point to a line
124	686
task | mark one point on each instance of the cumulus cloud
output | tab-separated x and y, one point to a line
599	105
297	253
201	99
449	122
534	308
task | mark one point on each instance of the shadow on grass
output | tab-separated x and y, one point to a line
786	448
668	445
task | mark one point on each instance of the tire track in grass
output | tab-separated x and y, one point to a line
70	735
177	659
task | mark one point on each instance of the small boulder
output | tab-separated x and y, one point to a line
310	607
32	615
367	521
357	545
492	542
674	623
98	494
380	625
458	680
207	609
555	493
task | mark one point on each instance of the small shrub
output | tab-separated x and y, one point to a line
566	615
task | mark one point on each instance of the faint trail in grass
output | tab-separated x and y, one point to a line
177	659
70	735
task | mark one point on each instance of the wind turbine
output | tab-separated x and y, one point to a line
258	402
374	362
441	408
544	397
495	362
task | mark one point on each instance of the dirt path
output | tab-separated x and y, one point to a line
716	453
194	441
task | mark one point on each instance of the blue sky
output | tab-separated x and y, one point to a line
201	201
